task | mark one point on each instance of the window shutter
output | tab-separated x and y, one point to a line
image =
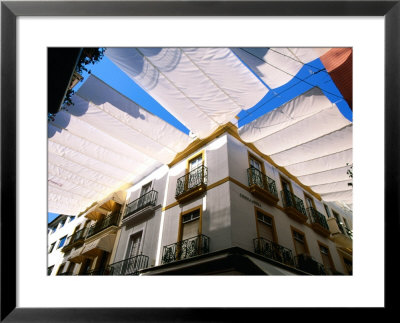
190	229
265	231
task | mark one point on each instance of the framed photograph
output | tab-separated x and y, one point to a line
190	23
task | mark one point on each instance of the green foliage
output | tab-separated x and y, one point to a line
89	56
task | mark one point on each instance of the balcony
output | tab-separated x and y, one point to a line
341	234
262	186
308	264
130	266
273	251
184	249
191	184
318	222
141	206
108	221
95	272
293	206
77	238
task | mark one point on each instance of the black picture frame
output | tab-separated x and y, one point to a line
10	10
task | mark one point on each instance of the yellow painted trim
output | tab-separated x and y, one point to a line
169	206
273	222
312	200
235	181
233	131
241	185
342	254
283	179
252	156
199	207
209	187
293	229
218	183
195	156
329	253
199	143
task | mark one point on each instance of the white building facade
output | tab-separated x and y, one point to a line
222	195
59	230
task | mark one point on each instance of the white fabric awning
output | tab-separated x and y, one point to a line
105	142
203	88
105	243
310	138
270	269
277	66
102	143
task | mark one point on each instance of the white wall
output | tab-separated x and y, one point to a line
56	256
149	224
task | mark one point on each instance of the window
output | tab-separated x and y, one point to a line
286	185
196	175
133	245
338	221
326	257
72	218
146	198
345	223
327	211
145	189
50	270
195	162
309	202
52	247
265	226
190	224
300	243
62	241
256	171
62	223
255	163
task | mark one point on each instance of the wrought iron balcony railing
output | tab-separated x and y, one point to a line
317	217
188	248
291	200
148	199
343	229
256	177
130	266
349	232
308	264
108	221
273	251
191	180
96	272
77	236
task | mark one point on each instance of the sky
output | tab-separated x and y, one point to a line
312	74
